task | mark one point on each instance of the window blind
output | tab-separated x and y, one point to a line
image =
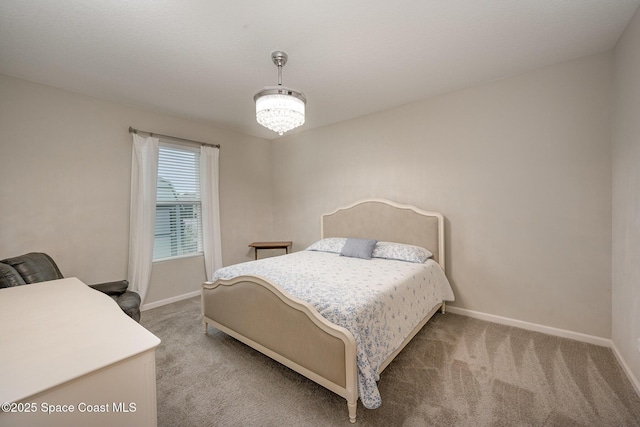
178	229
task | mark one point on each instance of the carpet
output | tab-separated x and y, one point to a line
457	371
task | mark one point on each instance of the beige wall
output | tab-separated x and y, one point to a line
626	198
65	184
520	168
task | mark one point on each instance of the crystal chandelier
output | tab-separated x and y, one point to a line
280	108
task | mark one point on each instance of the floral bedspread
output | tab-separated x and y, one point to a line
379	301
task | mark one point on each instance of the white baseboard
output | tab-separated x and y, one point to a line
177	298
591	339
627	370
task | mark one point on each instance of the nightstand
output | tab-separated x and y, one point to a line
270	245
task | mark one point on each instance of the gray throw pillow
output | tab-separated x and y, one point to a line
358	248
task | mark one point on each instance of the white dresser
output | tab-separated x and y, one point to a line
69	356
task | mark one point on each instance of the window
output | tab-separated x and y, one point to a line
178	229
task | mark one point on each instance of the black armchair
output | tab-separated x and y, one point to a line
40	267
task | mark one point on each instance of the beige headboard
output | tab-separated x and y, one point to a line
388	221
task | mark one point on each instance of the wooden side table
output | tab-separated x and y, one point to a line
270	245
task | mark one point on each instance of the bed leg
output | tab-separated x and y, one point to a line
204	327
352	411
443	309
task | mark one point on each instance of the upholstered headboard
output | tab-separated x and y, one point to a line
385	220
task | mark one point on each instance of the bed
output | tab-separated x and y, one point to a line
341	342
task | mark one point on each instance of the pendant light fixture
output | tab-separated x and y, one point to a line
280	108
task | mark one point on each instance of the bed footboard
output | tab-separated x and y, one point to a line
290	331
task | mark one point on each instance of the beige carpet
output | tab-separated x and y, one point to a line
457	371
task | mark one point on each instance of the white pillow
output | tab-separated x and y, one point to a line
401	252
330	244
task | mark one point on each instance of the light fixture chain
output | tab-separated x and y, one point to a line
279	58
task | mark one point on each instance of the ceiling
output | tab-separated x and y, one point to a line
204	59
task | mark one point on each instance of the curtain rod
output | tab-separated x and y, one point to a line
133	130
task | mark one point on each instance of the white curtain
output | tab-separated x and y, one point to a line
209	172
142	216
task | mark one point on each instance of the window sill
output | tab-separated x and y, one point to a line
175	258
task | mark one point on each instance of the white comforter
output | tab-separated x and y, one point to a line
379	301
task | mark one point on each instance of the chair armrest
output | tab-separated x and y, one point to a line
112	288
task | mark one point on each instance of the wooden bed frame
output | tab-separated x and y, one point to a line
260	314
